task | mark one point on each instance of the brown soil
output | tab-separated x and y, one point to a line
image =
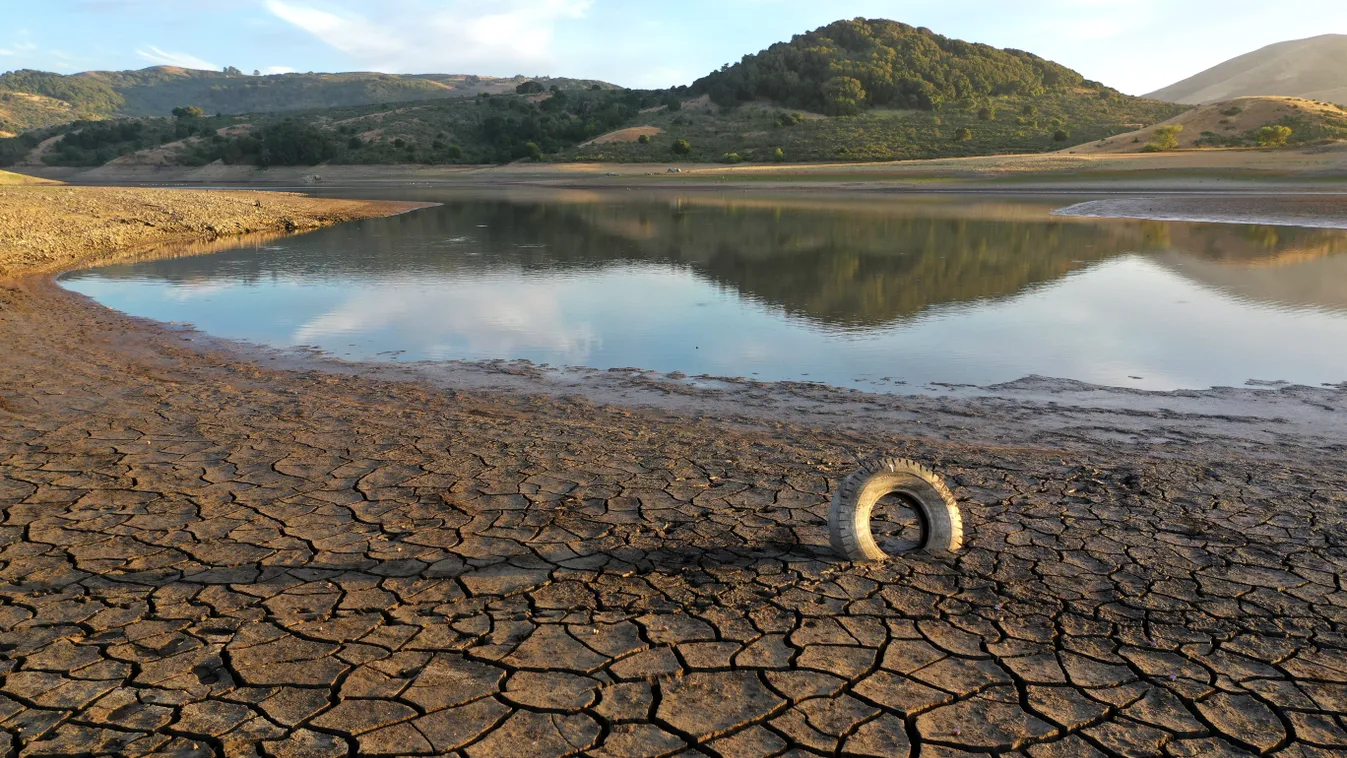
201	555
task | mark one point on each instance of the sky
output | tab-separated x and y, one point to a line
1136	46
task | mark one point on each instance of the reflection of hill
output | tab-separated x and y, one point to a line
1315	282
853	265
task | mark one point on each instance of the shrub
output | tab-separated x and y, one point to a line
644	139
1232	111
673	104
454	152
986	113
188	111
779	155
1274	135
1061	135
289	144
731	158
530	88
355	143
843	96
1166	138
964	135
681	147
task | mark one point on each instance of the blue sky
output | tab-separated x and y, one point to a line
1136	46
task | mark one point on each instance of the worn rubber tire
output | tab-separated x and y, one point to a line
854	504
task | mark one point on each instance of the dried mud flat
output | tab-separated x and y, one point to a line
201	554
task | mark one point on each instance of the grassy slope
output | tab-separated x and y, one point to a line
752	131
157	91
8	179
1226	123
1313	68
20	111
428	129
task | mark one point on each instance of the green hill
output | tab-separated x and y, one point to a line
848	66
157	91
853	90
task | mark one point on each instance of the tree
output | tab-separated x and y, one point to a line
189	111
964	135
986	113
673	104
289	144
232	71
455	153
1166	138
355	143
1061	135
1029	110
1274	136
644	139
779	155
681	147
529	88
843	96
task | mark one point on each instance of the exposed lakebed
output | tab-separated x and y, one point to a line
879	293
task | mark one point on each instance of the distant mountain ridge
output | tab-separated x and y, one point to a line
1314	68
158	90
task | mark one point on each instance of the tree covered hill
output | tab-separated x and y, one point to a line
157	91
848	66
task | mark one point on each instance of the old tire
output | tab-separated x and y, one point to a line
854	504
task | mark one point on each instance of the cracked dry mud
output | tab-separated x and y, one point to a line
200	556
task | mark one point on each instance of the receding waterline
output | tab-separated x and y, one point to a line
878	296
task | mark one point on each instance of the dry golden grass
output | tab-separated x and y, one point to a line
8	179
630	134
1254	112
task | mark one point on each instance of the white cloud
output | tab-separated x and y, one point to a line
24	46
270	70
183	60
478	317
458	36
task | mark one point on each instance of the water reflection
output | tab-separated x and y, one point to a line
847	291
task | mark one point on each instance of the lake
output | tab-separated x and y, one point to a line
883	293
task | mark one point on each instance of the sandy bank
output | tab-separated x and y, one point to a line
48	228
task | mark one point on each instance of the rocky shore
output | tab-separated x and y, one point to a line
210	552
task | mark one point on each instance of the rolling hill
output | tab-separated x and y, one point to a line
158	90
1235	123
1314	68
859	90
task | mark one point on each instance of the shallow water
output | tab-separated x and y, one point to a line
882	293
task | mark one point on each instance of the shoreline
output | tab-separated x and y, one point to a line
206	550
